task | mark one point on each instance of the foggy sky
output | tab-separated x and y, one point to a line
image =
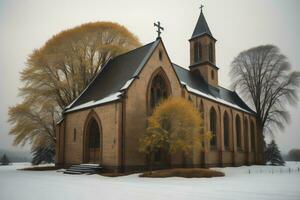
236	24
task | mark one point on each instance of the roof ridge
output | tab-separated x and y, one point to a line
227	89
181	67
147	56
132	51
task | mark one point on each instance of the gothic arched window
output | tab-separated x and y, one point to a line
201	109
252	131
158	90
226	130
213	127
211	52
238	131
246	134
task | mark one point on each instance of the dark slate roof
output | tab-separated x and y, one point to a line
115	74
201	27
198	83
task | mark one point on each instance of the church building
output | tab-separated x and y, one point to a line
104	124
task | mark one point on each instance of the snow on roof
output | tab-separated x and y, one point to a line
127	84
110	98
190	89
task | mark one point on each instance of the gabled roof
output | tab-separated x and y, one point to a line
201	27
119	72
194	83
115	76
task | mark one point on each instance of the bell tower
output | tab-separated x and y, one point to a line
202	52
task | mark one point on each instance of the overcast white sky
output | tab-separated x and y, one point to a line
236	24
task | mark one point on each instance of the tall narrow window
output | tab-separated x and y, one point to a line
200	51
158	90
213	128
238	131
196	52
211	52
202	116
226	130
160	55
74	135
252	131
246	135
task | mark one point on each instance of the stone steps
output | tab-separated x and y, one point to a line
83	169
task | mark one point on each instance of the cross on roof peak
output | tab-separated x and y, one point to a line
159	28
201	7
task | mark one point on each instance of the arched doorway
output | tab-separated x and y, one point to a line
93	142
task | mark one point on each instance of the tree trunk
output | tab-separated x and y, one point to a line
151	163
261	144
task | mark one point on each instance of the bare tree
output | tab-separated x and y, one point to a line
56	73
264	78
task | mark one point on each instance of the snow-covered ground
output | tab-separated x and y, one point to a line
263	182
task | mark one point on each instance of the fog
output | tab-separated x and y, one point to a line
236	24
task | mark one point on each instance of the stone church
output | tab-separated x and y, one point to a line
104	124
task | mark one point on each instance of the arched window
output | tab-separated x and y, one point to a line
238	131
252	131
211	52
246	134
158	90
226	130
212	74
213	127
201	109
196	52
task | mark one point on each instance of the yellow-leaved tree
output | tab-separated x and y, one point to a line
56	74
174	126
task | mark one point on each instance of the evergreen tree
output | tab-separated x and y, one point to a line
4	160
43	154
273	154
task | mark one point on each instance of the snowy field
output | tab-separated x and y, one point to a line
263	182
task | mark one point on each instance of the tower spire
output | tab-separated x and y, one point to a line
201	27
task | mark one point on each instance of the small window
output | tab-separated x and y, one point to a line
160	54
212	75
211	52
74	135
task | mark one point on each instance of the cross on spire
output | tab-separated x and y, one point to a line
159	29
201	7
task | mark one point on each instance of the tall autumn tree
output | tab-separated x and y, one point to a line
264	77
56	73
